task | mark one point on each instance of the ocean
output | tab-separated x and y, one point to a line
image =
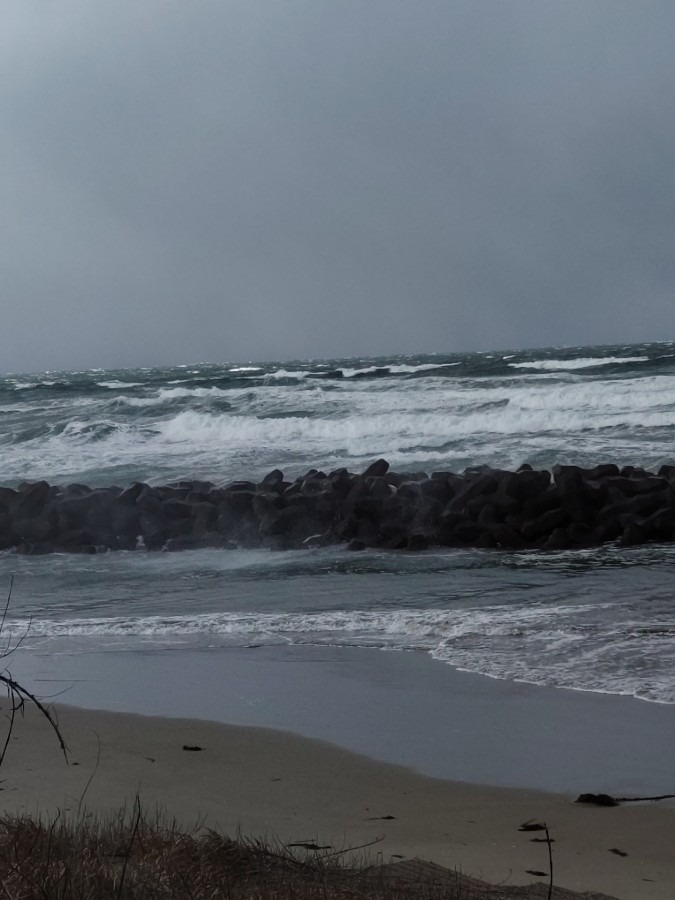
599	620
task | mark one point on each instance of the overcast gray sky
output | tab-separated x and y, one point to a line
266	179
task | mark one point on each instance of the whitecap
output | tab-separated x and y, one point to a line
285	373
563	645
580	363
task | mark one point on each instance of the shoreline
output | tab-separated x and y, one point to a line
263	782
324	744
403	708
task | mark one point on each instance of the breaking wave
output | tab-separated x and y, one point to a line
568	646
579	363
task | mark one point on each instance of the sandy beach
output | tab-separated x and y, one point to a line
403	708
264	782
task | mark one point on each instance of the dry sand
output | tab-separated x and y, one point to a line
265	782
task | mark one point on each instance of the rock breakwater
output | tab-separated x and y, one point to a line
566	508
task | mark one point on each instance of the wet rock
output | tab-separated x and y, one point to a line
481	486
507	538
523	485
417	542
39	529
207	540
549	498
238	486
633	535
273	480
8	497
545	524
631	487
557	540
484	507
434	488
378	468
604	470
76	490
176	509
468	532
131	494
355	544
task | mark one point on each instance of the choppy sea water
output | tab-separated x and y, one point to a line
600	620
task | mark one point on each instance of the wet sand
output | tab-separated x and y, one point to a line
266	782
398	707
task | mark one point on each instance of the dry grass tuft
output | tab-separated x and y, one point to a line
130	856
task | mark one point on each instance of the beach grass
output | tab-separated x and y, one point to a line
130	854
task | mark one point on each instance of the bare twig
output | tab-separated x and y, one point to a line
91	777
346	850
17	693
134	830
7	602
12	717
550	862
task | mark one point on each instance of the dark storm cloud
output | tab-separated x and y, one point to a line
233	180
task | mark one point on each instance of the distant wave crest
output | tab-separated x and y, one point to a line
580	363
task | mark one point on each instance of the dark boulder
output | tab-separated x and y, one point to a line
236	487
355	544
41	528
638	505
176	509
633	535
377	469
557	540
545	524
8	498
418	542
507	538
478	486
131	494
273	481
435	489
550	498
468	532
632	487
484	507
208	540
523	485
604	470
378	488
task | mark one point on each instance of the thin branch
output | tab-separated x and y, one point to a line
137	822
91	777
9	649
346	850
17	690
7	602
550	862
12	717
